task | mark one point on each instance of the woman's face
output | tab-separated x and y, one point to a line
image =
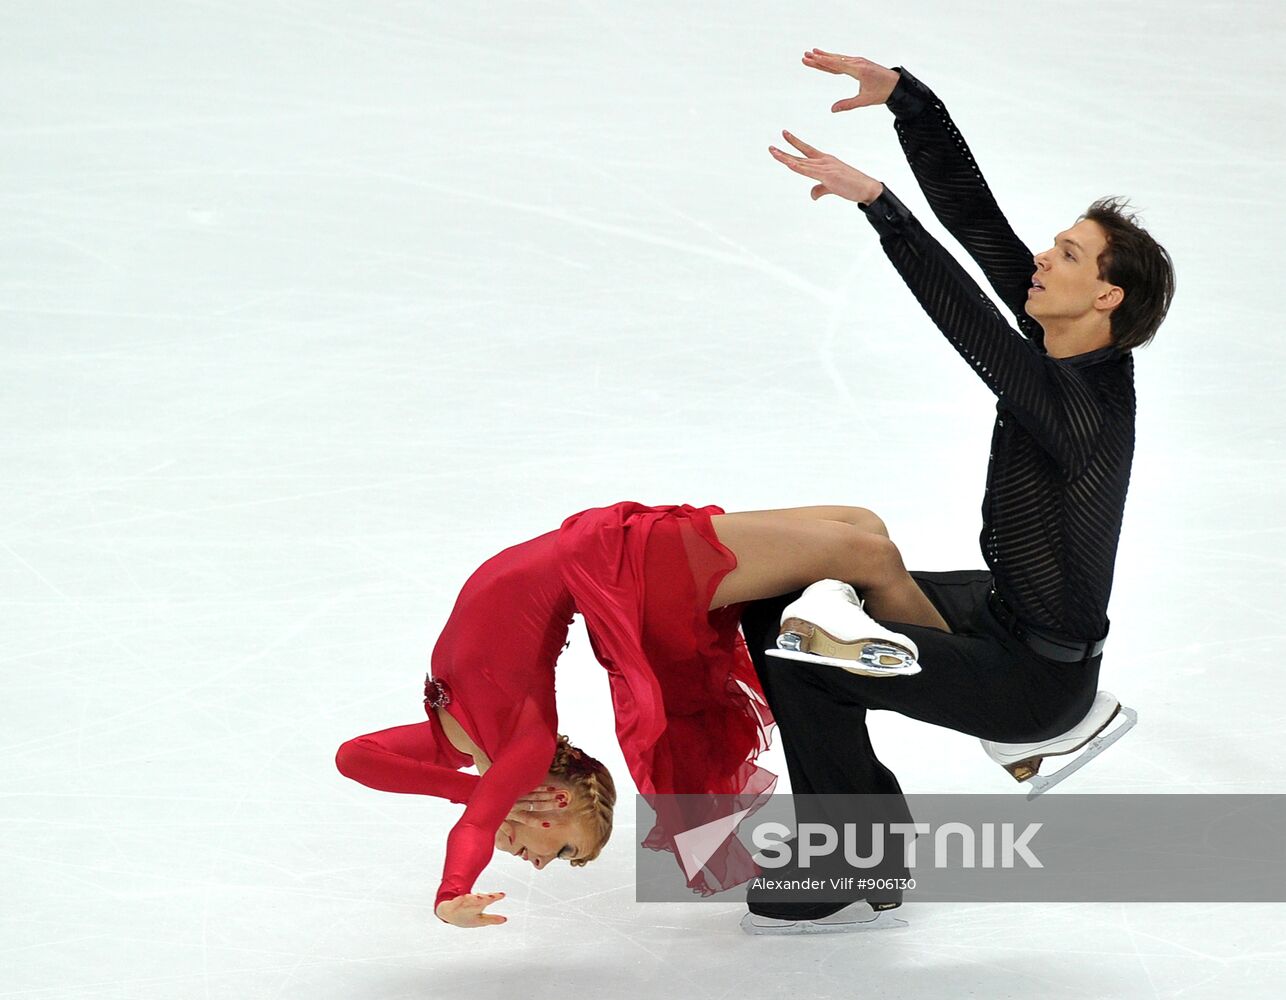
563	839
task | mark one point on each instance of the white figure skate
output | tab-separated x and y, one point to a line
1090	735
827	624
857	916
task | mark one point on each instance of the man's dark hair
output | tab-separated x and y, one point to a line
1140	266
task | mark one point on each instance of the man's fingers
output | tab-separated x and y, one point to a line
822	63
848	105
795	163
833	60
832	64
789	160
827	58
802	146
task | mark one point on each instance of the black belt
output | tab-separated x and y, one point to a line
1046	644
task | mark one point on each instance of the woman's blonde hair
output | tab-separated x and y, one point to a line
594	793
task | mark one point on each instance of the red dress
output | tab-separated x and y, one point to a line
690	715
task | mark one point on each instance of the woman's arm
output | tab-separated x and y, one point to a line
409	759
519	767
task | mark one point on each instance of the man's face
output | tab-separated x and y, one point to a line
1068	272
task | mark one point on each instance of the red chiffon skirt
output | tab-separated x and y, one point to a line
690	714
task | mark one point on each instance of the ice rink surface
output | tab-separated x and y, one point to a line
310	307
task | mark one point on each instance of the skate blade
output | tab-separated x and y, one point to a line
904	668
753	924
800	636
1029	770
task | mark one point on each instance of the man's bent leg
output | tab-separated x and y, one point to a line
970	682
973	681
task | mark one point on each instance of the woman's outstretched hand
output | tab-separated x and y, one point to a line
466	910
836	176
877	81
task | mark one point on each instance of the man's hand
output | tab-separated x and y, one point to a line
466	910
836	176
877	81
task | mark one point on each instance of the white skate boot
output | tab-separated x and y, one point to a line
828	625
1090	736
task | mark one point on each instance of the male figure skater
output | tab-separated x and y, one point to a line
1019	658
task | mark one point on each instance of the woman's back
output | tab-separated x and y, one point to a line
499	646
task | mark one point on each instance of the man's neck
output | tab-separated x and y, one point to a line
1072	338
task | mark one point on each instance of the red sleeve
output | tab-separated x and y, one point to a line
406	759
517	769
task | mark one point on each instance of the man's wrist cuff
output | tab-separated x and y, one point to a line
887	213
909	97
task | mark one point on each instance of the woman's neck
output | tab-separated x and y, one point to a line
460	740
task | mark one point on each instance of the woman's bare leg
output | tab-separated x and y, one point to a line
859	517
781	551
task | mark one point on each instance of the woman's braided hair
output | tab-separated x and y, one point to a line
593	793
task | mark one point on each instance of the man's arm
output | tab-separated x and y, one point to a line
1041	392
959	196
1049	399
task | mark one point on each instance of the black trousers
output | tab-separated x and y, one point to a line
976	679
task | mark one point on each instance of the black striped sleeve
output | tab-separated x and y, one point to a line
959	195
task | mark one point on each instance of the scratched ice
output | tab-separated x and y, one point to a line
308	307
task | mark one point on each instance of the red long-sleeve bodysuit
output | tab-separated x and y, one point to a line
690	716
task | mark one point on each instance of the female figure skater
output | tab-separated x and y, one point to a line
660	590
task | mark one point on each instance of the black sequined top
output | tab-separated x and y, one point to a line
1063	440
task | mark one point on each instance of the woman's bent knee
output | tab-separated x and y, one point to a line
861	517
873	523
867	558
